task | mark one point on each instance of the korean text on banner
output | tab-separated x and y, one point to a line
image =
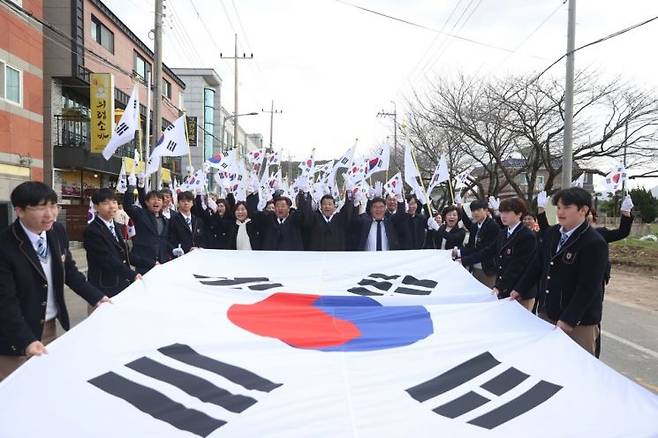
101	93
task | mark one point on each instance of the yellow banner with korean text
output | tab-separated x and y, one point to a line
101	94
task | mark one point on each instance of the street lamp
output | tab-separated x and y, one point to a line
232	116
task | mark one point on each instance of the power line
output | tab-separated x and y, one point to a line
431	29
600	40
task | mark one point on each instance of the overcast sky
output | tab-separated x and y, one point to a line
331	67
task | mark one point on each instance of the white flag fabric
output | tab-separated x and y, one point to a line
124	132
223	161
273	158
394	185
122	182
346	159
91	212
614	180
173	143
579	181
441	174
307	166
400	344
380	160
411	173
462	179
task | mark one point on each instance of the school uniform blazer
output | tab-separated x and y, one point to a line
108	264
24	288
280	237
215	234
571	279
475	245
148	246
512	255
180	233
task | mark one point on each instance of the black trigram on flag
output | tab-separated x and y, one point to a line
171	146
379	284
121	128
491	391
243	283
161	407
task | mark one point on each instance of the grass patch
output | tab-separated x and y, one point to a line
636	253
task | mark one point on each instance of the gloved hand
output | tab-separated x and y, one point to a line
494	203
132	180
177	252
542	199
432	224
455	253
211	204
458	199
140	180
627	204
378	188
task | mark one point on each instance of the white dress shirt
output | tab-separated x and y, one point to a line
371	244
46	265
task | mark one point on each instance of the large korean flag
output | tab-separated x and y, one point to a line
238	344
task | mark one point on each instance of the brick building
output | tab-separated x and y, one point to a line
21	99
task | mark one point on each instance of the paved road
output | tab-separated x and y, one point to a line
630	342
630	335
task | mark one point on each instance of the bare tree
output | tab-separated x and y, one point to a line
511	129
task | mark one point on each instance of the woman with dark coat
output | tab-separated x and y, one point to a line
447	233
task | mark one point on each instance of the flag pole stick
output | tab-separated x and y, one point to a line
422	184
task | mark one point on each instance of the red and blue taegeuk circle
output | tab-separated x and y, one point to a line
333	323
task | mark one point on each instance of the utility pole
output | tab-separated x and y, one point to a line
236	58
394	114
157	85
271	112
623	182
567	155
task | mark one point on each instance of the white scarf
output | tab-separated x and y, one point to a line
242	242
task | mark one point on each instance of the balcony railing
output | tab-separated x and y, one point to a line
73	131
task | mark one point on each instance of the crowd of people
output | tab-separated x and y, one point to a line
558	272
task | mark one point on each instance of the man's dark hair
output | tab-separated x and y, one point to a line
165	191
377	199
412	197
517	205
186	196
477	204
154	194
282	198
574	196
32	193
531	215
327	197
102	195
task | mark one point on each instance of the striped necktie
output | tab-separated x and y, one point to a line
42	249
563	240
113	231
188	221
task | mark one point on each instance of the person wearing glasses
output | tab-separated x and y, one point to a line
35	264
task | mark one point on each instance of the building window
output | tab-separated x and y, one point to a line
208	121
141	67
101	34
10	83
166	88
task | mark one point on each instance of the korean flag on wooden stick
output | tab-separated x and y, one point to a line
124	132
441	174
173	143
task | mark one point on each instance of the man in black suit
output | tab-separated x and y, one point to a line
570	268
514	247
107	253
328	229
151	242
35	263
282	231
483	232
376	232
185	229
